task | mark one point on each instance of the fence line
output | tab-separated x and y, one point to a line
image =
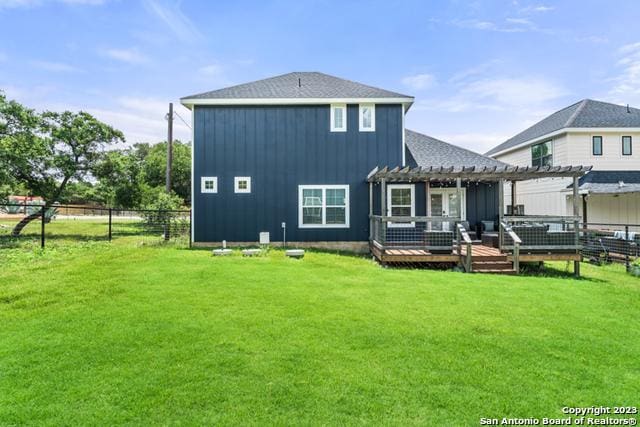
167	224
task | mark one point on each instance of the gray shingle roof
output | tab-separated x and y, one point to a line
425	151
299	85
610	182
584	114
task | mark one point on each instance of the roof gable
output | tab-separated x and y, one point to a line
298	85
584	114
425	151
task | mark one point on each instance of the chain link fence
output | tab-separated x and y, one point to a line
30	225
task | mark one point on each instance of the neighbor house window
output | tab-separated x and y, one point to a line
323	206
626	146
367	113
401	202
596	143
338	117
242	184
209	184
542	154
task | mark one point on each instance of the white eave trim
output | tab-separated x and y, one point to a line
560	132
190	102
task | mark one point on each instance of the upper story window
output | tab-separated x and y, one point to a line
596	145
338	117
323	206
626	146
367	114
209	184
242	184
542	154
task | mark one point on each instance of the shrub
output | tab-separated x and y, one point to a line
161	215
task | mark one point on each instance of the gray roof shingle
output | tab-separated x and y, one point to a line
299	85
584	114
425	151
610	182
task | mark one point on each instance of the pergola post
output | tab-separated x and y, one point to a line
500	210
513	197
427	202
458	197
383	197
576	228
370	210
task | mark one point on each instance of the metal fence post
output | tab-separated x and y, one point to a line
627	247
190	225
110	220
42	219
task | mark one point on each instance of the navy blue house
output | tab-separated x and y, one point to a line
296	149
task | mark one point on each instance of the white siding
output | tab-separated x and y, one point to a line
541	196
580	151
613	209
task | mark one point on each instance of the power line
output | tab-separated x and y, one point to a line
180	117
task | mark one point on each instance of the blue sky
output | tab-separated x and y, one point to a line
480	71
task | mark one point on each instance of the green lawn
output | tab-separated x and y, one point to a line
104	334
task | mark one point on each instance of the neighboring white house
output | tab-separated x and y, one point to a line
586	133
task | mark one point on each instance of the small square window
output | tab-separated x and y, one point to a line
209	184
596	143
338	117
626	146
242	184
367	113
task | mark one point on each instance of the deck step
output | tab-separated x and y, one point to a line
489	258
491	271
492	265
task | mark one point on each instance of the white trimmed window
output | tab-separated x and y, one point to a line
338	117
242	184
401	199
209	184
367	115
323	206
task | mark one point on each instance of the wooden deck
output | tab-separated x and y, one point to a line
480	254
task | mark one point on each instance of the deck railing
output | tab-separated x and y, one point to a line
542	234
414	232
462	237
507	232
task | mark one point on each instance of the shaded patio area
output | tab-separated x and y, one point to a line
397	235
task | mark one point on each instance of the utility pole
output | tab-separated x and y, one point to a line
169	147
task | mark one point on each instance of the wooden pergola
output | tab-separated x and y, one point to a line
501	175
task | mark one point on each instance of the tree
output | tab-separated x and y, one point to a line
46	151
155	166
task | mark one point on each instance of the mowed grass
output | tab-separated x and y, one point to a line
106	334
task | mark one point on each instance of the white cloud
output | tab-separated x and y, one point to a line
170	13
211	70
537	8
510	25
142	119
626	85
130	56
55	66
419	81
513	94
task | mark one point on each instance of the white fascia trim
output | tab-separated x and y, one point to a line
190	102
324	206
560	132
193	146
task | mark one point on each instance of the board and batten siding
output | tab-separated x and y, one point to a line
280	148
